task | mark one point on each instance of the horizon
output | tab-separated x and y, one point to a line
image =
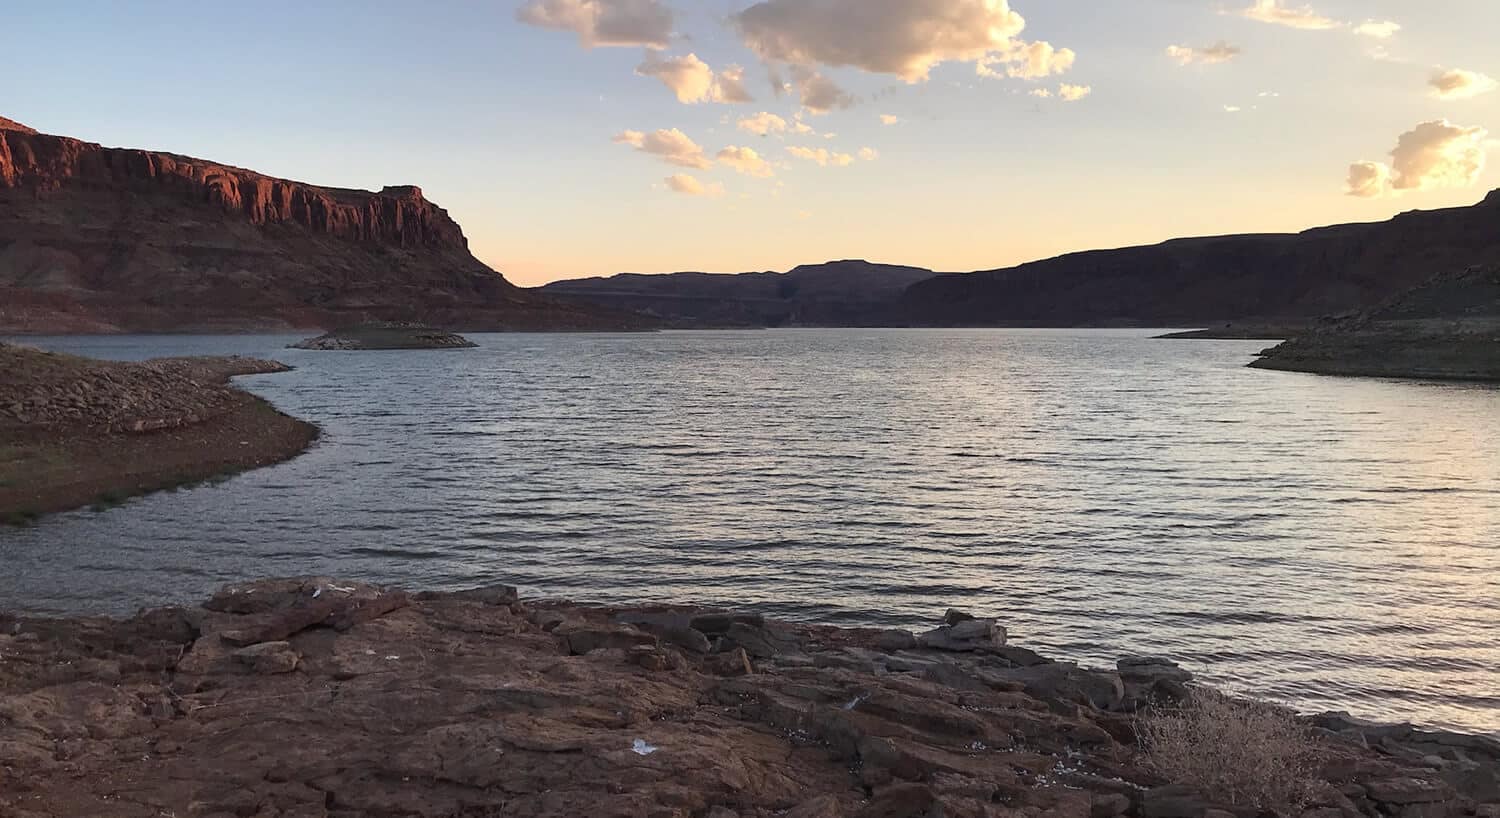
927	131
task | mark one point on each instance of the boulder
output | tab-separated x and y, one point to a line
966	636
269	658
583	639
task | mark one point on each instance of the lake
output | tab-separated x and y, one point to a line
1330	543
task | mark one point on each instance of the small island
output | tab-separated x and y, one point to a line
386	335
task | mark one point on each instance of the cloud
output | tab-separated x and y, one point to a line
1232	109
1073	93
1303	17
1379	29
821	155
604	22
1368	180
746	161
1457	83
690	186
820	94
672	146
905	38
1028	61
693	81
889	119
1220	52
1433	155
868	154
764	124
1042	93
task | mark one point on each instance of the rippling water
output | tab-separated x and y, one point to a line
1331	543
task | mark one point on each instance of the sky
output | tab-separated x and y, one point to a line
573	138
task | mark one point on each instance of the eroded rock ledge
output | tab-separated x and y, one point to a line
312	697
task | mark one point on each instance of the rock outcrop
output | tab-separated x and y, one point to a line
1272	279
78	431
312	697
1446	329
96	239
836	294
386	335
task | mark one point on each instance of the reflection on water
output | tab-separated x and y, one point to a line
1333	543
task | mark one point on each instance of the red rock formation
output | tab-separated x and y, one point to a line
113	238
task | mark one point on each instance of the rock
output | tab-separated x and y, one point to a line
1403	791
759	642
269	658
967	636
1066	682
585	639
1109	805
386	335
718	624
823	806
1152	668
953	617
733	663
494	595
902	801
1174	801
892	641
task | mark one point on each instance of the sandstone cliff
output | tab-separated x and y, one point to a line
1201	281
96	239
839	293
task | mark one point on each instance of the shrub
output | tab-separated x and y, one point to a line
1239	752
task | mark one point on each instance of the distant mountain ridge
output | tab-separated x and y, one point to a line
1200	280
838	293
96	239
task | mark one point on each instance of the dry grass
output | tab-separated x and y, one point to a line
1239	752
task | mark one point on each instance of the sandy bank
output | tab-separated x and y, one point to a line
312	697
76	432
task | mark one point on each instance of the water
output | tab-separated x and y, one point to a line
1330	543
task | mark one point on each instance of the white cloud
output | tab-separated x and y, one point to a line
1457	83
1220	52
1042	93
1073	93
1433	155
1277	12
604	22
690	186
905	38
746	161
889	119
1027	61
693	81
764	124
1232	109
868	154
672	146
1379	29
821	155
802	127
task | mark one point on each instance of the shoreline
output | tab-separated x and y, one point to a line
80	432
314	697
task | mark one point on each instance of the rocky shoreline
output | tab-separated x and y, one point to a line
386	335
313	697
76	432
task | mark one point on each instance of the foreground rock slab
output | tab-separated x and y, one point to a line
314	697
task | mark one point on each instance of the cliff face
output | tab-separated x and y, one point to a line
1205	280
98	239
839	293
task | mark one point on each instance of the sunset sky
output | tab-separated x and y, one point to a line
586	137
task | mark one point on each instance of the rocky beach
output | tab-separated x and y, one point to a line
316	697
76	431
